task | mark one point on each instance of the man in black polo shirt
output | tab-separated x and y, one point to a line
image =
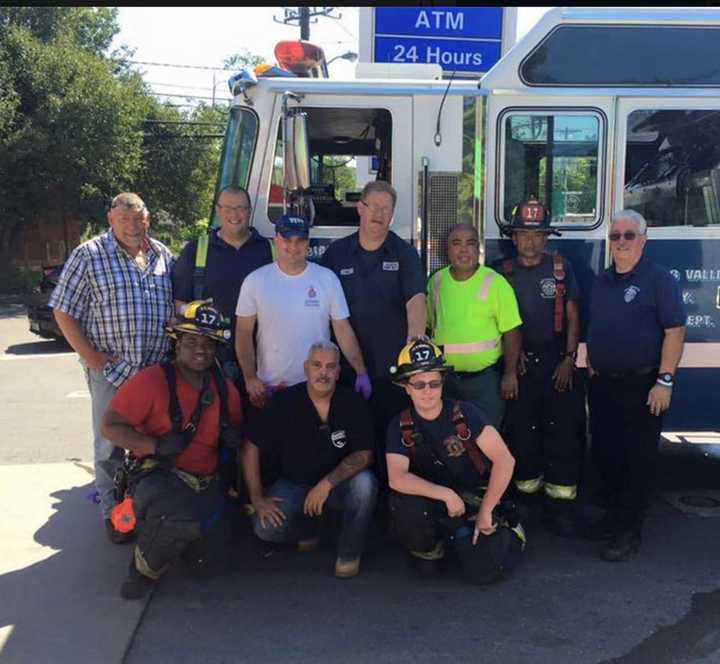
635	341
384	284
234	250
320	437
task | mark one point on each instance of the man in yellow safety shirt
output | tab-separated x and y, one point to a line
473	314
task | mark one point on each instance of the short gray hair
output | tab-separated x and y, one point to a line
633	216
323	345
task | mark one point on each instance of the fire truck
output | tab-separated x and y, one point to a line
594	110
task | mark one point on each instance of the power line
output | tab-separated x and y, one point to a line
170	64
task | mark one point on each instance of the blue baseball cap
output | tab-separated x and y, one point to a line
290	225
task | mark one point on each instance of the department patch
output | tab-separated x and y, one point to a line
631	293
338	438
312	293
548	288
453	446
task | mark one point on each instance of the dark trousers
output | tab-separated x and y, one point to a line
170	517
387	400
625	437
544	429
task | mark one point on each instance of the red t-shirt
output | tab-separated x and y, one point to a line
143	401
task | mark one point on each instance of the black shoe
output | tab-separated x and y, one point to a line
136	585
623	546
115	536
602	529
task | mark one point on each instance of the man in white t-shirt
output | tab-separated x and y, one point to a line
294	303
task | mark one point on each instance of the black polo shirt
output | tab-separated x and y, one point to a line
629	314
291	433
226	269
377	285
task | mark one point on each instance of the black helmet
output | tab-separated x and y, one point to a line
530	215
492	558
416	357
200	317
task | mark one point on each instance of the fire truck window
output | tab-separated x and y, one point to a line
348	147
672	167
553	157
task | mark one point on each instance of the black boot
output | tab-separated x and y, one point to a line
622	546
600	530
136	585
558	517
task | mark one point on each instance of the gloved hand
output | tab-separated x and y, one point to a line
363	385
169	445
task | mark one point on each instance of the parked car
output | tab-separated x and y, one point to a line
40	315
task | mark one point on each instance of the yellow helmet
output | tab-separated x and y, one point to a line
201	318
416	357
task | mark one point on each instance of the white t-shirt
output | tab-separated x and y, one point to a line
293	312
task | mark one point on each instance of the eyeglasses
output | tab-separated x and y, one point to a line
421	384
381	212
629	236
235	208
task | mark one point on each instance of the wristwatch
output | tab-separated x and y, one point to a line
666	379
570	353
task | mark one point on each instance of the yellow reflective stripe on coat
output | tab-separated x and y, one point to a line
520	532
561	491
529	486
145	569
202	250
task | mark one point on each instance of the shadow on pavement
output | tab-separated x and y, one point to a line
39	347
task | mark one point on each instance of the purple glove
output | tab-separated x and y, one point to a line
363	385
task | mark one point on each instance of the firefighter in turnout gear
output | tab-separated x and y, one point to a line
448	470
545	422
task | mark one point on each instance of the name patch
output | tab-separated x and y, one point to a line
345	271
391	266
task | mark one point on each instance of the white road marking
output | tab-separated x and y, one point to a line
78	394
39	356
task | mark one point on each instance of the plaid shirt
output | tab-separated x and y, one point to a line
121	308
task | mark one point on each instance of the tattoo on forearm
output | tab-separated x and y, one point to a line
350	466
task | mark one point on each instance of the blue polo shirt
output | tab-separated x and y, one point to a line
629	314
226	269
377	285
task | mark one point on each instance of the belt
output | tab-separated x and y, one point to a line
640	371
466	375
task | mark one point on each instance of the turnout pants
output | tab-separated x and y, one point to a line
171	515
544	429
625	438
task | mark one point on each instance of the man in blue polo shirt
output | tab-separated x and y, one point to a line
384	284
234	250
635	341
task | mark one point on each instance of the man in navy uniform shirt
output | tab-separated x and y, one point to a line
384	283
635	341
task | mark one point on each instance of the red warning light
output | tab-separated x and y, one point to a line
301	58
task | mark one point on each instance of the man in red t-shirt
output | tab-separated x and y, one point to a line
173	418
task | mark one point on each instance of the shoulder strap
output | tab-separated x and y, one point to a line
465	435
222	389
560	288
173	403
407	430
201	253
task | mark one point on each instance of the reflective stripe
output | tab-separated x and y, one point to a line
436	553
273	249
561	491
520	532
529	486
202	250
485	287
145	569
475	347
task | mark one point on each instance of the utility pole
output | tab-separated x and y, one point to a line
303	16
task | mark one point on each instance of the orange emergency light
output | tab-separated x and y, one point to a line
301	58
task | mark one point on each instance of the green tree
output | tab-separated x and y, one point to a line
243	58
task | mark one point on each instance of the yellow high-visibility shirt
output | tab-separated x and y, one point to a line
469	317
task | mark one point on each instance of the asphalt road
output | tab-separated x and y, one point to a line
562	605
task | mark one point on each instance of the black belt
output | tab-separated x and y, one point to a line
640	371
465	375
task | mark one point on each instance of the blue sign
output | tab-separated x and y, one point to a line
462	39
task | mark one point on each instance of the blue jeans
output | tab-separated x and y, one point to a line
355	497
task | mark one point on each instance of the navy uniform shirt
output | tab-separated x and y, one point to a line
226	269
629	314
377	285
440	434
291	433
535	288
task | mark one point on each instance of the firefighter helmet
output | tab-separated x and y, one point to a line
202	318
416	357
530	215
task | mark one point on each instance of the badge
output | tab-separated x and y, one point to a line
346	271
391	266
312	298
548	288
453	446
338	438
631	293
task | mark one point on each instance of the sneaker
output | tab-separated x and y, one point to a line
115	536
136	585
622	546
308	545
347	569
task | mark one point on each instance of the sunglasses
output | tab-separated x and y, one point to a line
629	236
421	384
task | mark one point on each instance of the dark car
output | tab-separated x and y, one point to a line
40	315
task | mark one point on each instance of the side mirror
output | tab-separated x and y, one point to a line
297	151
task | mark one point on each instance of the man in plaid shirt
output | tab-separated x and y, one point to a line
112	302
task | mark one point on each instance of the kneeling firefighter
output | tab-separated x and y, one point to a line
448	470
176	419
